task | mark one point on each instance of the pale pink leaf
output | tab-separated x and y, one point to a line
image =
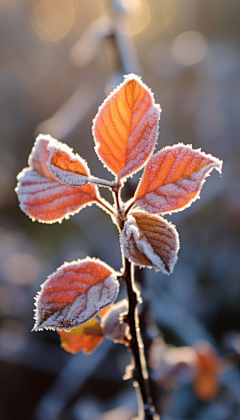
112	322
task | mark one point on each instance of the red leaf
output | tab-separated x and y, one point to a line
43	198
126	127
151	241
86	337
74	294
173	178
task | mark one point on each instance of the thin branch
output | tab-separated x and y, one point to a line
139	371
132	202
116	195
119	206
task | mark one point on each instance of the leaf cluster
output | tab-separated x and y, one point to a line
58	183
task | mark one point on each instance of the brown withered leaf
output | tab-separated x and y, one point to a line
149	240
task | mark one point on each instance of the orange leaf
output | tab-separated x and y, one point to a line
126	127
151	241
86	337
74	294
42	197
173	178
206	383
206	386
65	166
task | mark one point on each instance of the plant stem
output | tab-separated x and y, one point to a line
129	207
139	371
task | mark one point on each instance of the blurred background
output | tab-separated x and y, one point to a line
58	60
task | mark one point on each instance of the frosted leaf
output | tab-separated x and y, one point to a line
125	129
141	142
65	166
173	179
74	294
113	327
42	197
48	201
39	155
149	240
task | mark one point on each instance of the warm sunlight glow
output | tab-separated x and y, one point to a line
52	19
139	16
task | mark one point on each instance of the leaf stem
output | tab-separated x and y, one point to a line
119	206
132	202
139	371
102	182
106	206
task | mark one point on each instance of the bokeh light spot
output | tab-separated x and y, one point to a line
139	16
20	268
52	19
189	48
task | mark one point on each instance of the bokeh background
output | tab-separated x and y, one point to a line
58	60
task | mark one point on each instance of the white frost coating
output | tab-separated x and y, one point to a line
154	113
131	229
113	327
85	306
40	152
67	177
34	189
142	150
167	197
